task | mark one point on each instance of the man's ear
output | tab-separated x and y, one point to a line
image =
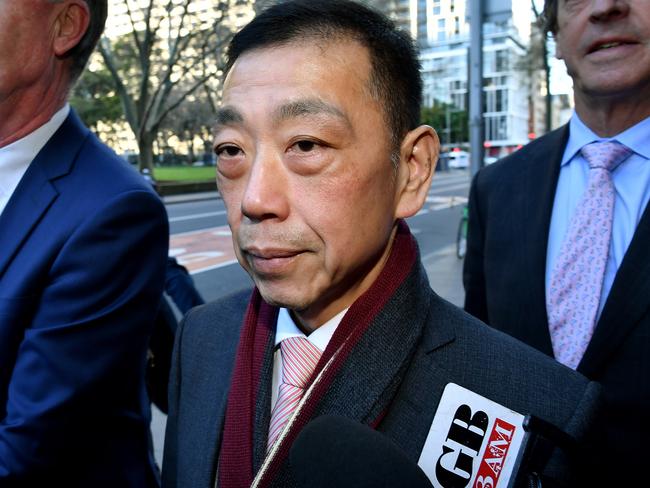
71	24
418	158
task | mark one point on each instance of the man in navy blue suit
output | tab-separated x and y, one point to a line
83	242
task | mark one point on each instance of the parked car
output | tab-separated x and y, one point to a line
458	159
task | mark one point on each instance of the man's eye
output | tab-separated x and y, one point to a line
305	146
227	151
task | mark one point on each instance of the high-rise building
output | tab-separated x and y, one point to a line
441	29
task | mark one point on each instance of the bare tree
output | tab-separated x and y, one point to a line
542	47
171	50
535	62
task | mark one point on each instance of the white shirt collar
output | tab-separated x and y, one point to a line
16	157
320	337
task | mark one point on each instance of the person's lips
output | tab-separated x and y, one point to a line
611	45
271	260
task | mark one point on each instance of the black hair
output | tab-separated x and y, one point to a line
395	80
548	19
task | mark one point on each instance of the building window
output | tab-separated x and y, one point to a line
502	60
441	30
501	101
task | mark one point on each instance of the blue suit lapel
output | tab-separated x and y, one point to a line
29	202
36	192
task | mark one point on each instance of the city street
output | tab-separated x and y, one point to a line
200	239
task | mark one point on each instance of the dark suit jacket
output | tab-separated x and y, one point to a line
82	261
504	275
415	346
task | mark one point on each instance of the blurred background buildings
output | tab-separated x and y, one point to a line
153	86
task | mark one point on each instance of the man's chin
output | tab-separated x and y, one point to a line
281	299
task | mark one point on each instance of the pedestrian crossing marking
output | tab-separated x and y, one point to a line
202	250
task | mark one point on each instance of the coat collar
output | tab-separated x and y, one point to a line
366	384
36	191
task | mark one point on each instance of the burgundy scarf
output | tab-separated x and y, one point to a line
236	455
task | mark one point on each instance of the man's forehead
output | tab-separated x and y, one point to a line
312	77
308	48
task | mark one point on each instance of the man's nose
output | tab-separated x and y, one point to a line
603	10
266	194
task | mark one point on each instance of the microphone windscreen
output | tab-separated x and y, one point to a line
336	452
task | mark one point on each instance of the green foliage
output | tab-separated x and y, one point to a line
94	98
451	123
184	173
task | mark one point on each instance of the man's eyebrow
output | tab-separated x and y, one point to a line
306	107
227	116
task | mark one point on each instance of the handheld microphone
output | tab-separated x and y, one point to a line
336	452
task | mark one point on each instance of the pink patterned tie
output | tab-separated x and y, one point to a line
577	278
299	358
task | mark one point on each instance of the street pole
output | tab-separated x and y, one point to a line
476	131
447	126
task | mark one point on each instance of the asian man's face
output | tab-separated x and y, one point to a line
305	172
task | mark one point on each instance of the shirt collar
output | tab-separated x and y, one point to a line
320	337
32	143
16	157
637	138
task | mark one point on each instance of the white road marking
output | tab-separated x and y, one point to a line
183	218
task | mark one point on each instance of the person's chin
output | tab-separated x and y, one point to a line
285	296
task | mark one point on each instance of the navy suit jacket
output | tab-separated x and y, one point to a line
511	203
83	242
413	348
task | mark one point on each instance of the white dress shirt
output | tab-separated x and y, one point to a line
287	328
16	157
631	180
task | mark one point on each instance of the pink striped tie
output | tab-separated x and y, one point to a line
299	358
577	277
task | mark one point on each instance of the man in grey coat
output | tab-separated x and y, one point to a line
320	158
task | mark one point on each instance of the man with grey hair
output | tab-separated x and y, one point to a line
558	252
83	242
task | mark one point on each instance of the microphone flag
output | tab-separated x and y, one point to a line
473	442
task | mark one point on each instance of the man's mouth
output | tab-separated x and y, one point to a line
609	45
272	261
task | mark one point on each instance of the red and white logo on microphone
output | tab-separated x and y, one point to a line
473	442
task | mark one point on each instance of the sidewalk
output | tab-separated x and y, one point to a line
445	272
191	197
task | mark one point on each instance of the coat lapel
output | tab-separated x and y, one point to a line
36	192
628	301
367	382
411	412
263	408
542	170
